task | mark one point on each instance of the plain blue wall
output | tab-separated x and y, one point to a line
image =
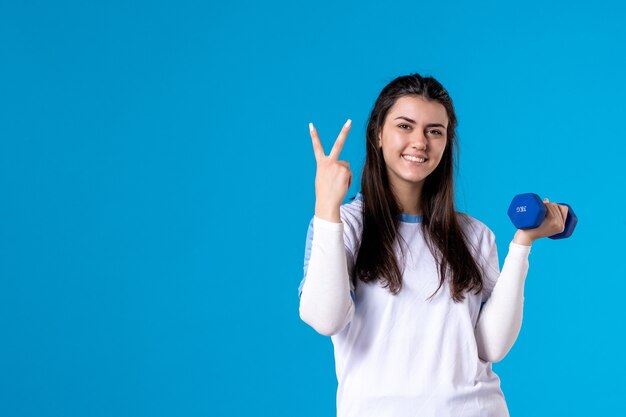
157	180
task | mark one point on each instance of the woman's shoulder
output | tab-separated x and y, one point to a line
351	212
475	230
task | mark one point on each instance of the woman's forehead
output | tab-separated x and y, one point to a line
418	109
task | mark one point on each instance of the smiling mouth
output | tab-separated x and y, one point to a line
414	158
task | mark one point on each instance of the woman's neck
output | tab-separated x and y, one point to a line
408	197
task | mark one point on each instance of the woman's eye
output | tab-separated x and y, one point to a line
436	132
400	126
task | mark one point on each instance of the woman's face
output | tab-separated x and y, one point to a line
413	139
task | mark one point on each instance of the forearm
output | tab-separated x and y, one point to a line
501	317
325	303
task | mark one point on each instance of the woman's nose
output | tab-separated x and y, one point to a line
419	141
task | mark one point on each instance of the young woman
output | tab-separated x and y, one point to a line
409	289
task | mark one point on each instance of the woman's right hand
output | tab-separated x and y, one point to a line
333	177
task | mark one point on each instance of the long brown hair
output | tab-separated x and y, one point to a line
444	236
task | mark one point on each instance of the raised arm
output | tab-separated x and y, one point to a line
325	301
500	319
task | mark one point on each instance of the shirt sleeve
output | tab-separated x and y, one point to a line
500	318
326	291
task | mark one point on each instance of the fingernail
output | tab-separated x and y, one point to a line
348	123
310	126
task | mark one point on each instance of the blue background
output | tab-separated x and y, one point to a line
157	180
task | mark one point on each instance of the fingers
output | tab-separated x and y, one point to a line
318	149
341	139
564	210
550	207
552	210
557	211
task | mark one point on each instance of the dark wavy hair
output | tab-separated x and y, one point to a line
441	224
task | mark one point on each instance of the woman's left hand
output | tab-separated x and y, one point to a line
553	223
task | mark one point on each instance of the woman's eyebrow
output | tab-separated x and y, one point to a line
414	122
405	118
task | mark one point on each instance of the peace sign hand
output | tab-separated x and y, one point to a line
333	177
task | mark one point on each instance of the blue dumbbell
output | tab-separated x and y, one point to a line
527	211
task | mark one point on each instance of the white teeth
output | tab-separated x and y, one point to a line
413	158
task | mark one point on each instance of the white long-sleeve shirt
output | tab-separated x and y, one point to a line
403	355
